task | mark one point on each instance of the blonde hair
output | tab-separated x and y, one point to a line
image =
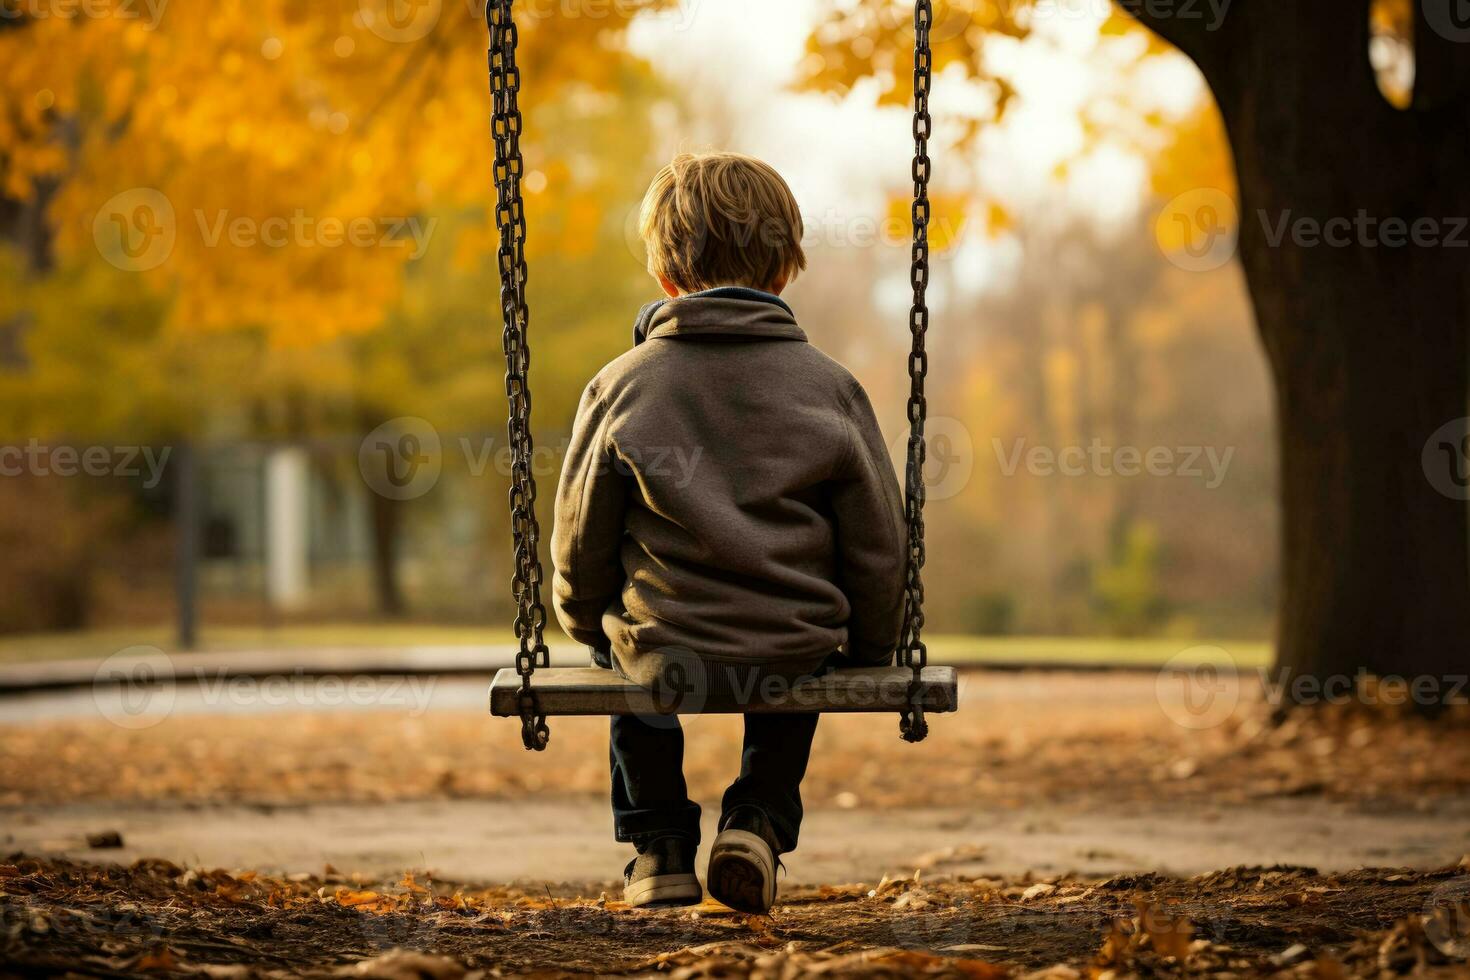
721	219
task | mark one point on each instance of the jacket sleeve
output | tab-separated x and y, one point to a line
588	531
871	541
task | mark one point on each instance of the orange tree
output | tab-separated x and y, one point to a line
272	168
235	220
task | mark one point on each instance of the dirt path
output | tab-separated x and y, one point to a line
569	840
1066	824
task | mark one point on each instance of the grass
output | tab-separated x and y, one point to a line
943	648
1089	650
99	643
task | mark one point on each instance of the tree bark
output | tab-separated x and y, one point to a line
1367	340
386	522
1374	573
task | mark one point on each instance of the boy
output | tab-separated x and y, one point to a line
727	513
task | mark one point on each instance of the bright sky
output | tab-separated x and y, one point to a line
844	158
741	57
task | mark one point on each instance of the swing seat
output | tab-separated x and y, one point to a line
598	691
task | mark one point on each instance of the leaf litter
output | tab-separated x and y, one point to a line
1097	738
157	919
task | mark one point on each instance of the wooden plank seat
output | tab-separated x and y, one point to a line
596	691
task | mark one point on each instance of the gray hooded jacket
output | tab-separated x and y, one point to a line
727	494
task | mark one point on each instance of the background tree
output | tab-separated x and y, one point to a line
1365	336
175	193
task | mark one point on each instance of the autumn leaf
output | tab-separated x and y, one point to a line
161	958
348	898
1171	936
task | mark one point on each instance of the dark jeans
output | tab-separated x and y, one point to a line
651	800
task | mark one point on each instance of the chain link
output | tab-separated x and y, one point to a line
510	220
911	649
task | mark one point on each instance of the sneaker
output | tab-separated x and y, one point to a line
662	875
743	862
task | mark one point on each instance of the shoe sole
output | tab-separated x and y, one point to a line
742	872
663	890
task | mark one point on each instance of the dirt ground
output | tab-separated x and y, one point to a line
155	918
1019	739
1009	863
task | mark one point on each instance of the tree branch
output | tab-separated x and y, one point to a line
1196	28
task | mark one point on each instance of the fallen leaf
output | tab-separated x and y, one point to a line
349	898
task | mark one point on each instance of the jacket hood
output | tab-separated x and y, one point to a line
731	313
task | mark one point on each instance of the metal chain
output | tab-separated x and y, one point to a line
911	650
510	220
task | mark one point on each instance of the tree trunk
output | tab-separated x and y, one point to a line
1366	339
1375	575
385	514
387	519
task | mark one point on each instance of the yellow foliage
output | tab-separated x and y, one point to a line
275	164
1391	23
1197	155
947	219
874	39
997	219
871	40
